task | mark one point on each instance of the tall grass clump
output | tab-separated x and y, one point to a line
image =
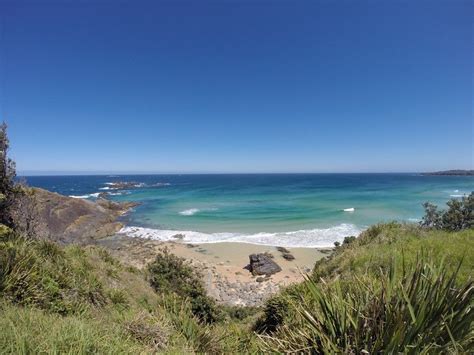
420	311
39	273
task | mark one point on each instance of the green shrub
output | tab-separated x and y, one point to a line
274	313
240	313
170	273
419	311
348	240
458	216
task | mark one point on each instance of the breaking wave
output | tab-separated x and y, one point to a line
189	212
311	238
94	195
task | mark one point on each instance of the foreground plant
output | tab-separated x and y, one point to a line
420	311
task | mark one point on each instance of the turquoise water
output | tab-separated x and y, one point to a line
291	210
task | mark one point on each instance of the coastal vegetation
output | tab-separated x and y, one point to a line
458	216
396	288
372	293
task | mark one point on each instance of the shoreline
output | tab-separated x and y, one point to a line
222	265
314	238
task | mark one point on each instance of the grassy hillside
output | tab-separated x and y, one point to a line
395	287
80	299
379	246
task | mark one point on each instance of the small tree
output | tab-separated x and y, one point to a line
458	216
18	207
432	217
7	178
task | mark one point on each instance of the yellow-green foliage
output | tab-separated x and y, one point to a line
397	288
26	330
83	300
375	248
419	311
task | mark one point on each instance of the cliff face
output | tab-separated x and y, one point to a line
70	220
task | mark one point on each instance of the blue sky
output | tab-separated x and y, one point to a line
237	86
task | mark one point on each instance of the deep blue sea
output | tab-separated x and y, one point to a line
275	209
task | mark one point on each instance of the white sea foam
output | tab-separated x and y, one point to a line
94	195
311	238
116	185
458	195
352	209
189	212
118	193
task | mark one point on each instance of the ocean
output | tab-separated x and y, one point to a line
291	210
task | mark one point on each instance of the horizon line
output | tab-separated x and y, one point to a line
98	173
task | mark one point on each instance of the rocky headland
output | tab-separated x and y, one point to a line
457	172
71	220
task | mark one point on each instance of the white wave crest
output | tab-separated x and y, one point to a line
311	238
94	195
351	209
189	212
458	195
105	188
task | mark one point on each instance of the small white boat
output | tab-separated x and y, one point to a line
352	209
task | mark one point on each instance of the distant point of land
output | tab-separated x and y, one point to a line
452	173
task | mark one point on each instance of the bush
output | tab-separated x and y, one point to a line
274	313
419	311
348	240
170	273
458	216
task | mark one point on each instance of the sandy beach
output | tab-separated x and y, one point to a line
223	265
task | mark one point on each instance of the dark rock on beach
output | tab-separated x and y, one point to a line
261	264
282	250
288	256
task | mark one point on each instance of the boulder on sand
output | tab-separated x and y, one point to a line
262	264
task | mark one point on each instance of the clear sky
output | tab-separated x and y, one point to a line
237	86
